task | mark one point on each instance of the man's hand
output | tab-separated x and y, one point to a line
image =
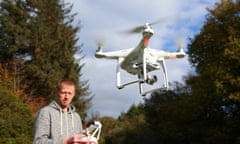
68	141
76	139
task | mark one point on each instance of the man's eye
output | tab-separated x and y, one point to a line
69	93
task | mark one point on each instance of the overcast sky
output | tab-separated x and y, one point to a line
106	18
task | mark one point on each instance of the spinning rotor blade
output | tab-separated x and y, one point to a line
179	43
99	42
159	21
136	29
140	28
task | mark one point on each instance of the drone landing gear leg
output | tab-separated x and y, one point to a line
165	87
164	74
144	93
118	78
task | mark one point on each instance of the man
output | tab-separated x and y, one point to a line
57	123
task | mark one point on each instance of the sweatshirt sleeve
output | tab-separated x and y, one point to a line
42	128
81	126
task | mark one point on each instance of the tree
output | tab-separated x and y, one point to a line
111	128
14	37
39	38
214	52
16	120
170	115
129	128
14	30
53	47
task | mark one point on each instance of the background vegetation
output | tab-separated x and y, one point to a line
37	48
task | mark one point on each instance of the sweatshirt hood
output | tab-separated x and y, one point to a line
71	109
55	105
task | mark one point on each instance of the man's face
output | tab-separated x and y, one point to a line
65	95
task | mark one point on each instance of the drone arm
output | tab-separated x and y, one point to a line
168	55
113	54
173	55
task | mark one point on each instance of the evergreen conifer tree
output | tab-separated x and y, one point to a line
38	38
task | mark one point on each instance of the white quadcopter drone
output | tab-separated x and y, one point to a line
142	60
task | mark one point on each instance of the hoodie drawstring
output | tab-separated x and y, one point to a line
71	110
72	119
61	121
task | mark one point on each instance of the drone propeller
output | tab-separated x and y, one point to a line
159	21
136	29
99	43
179	43
140	28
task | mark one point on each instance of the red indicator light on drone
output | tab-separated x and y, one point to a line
146	41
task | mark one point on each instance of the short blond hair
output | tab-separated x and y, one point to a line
65	81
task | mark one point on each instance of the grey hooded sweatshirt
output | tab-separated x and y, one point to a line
52	125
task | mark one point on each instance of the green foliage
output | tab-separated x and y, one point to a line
215	52
175	116
129	128
37	38
111	128
16	120
14	30
183	118
51	48
37	48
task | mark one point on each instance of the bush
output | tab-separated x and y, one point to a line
16	119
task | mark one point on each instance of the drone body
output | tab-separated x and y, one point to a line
140	61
